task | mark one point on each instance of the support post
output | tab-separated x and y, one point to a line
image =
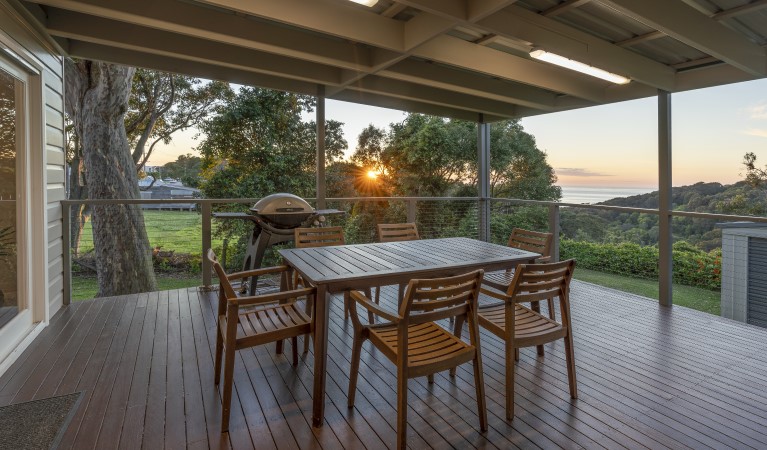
554	230
483	177
411	210
205	209
665	262
321	191
66	225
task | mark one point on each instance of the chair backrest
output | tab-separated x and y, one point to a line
532	241
226	287
318	237
535	282
395	232
440	298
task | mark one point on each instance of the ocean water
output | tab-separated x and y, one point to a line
580	194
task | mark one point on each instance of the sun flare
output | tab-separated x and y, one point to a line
372	174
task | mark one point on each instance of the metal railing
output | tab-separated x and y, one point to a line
435	216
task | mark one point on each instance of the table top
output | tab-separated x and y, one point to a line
351	266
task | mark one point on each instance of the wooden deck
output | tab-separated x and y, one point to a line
649	377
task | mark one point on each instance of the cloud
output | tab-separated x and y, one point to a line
756	132
758	112
579	172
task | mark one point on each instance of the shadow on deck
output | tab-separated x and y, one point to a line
648	377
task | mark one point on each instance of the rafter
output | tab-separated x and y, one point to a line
555	36
191	20
133	37
563	7
737	11
686	24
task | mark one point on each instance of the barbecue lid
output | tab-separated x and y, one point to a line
281	203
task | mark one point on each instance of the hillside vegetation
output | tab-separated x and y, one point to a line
616	227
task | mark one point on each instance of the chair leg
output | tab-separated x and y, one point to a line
510	369
457	331
219	352
368	293
479	383
570	357
294	344
401	408
346	304
430	378
355	368
226	403
552	311
516	355
536	306
308	311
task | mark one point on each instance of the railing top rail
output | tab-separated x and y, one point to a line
212	201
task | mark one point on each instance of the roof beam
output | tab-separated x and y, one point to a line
393	10
563	7
133	37
435	96
428	74
651	36
459	53
383	101
562	39
193	20
747	8
334	18
87	50
684	23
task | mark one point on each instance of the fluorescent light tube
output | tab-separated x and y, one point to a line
366	2
578	66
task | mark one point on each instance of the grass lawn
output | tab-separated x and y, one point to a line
691	297
180	231
85	287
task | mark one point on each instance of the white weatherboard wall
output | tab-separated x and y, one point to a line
32	50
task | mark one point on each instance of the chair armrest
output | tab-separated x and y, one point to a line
257	272
490	292
372	307
271	298
543	259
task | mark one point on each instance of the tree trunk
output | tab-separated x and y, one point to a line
77	213
98	98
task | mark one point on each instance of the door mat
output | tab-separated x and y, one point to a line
38	424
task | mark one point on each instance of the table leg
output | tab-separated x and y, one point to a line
321	318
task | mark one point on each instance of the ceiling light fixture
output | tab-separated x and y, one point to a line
366	2
578	66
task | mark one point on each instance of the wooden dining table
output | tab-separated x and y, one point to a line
346	267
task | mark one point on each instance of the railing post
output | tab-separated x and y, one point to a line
483	177
411	210
554	230
66	225
206	241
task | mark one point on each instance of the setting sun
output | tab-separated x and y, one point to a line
372	174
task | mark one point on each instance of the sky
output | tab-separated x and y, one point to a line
612	145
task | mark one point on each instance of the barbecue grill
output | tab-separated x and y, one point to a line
274	218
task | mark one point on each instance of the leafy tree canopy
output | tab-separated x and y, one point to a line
431	156
185	168
259	145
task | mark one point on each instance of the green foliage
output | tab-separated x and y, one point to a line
616	227
185	168
692	266
430	156
259	145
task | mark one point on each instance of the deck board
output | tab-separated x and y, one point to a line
648	377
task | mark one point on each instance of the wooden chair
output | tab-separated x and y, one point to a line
531	241
520	326
320	237
249	321
430	348
396	232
